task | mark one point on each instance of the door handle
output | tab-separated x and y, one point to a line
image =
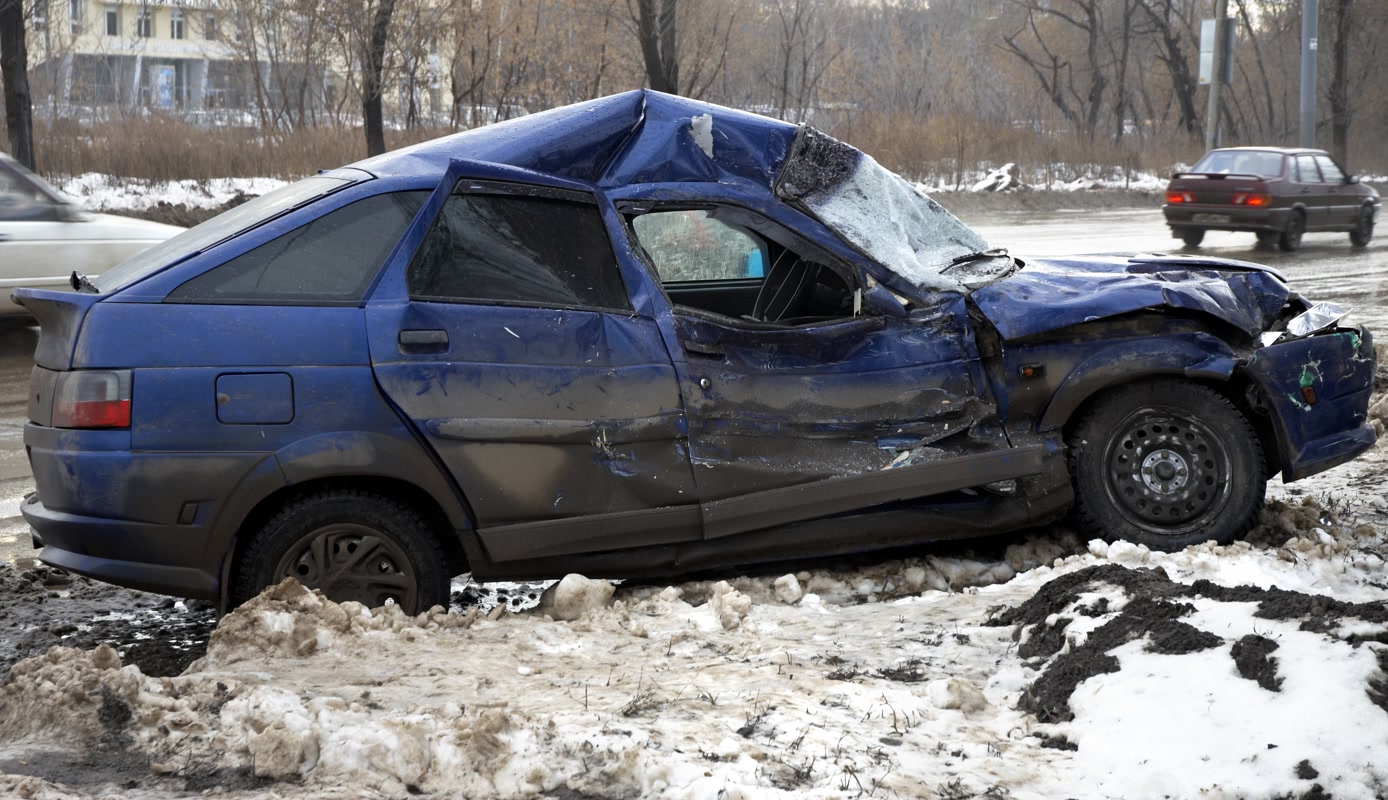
423	341
703	348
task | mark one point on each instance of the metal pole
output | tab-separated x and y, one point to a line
1217	75
1309	9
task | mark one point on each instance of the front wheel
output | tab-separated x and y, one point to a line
1193	236
1166	464
1363	230
351	545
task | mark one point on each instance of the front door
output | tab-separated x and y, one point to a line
510	341
802	402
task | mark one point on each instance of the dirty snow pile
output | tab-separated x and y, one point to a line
1062	669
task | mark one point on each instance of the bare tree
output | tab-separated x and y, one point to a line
1050	66
1170	30
14	70
1341	110
373	59
658	32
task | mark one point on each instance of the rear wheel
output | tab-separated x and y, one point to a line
1290	240
1193	236
351	545
1364	230
1166	464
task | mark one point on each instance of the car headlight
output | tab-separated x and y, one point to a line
1313	320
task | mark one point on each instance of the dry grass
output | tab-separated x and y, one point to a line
941	150
164	148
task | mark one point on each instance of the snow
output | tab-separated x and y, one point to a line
98	192
887	680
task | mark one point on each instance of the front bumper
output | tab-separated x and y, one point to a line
1337	367
1224	218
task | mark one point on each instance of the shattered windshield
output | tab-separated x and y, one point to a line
888	219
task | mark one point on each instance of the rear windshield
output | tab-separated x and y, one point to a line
219	229
1263	163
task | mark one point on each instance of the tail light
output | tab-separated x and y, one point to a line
92	399
1255	200
1180	197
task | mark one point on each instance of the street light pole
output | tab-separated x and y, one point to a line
1217	74
1309	10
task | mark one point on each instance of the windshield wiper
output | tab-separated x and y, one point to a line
997	252
81	283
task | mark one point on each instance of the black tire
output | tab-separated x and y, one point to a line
1166	464
351	545
1363	232
1268	237
1192	236
1290	240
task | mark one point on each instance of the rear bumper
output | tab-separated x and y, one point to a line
65	539
1224	218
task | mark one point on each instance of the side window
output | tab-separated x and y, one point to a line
732	262
1332	172
690	245
503	248
1306	169
329	261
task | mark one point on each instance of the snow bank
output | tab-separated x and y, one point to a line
894	679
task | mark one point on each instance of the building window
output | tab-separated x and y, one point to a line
74	14
144	23
176	24
112	20
209	27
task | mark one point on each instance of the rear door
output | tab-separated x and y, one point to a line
1342	200
1312	191
510	340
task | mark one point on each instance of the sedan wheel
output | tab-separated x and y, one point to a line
1166	464
1193	236
1363	232
350	546
1291	235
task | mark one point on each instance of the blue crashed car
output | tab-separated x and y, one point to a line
637	336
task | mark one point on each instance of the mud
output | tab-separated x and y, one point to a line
41	606
1253	657
1152	611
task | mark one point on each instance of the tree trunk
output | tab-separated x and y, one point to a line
1341	111
14	70
656	27
372	66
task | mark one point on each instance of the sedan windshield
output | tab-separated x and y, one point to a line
219	229
886	218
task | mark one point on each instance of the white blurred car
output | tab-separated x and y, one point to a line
44	237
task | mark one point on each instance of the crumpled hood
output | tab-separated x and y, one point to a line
1049	294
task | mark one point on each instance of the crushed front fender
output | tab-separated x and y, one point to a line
1317	393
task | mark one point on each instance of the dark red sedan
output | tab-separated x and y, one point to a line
1278	193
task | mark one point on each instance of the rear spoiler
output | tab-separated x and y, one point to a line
60	316
1219	176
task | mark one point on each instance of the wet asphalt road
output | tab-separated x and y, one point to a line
1326	268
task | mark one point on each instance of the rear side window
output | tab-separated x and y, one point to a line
515	249
329	261
1306	170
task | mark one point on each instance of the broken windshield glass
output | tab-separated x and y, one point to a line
885	217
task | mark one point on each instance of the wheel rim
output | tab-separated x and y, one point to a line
346	561
1166	472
